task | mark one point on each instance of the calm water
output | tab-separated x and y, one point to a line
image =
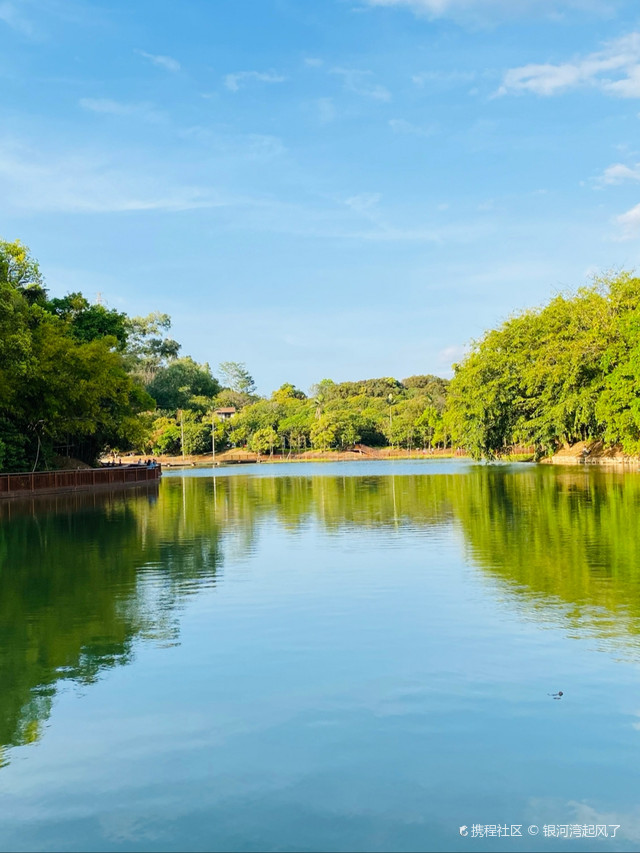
349	656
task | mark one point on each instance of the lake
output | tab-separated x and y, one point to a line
340	656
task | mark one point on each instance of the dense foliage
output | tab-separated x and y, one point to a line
64	387
567	372
336	416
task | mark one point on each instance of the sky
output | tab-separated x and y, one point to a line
322	188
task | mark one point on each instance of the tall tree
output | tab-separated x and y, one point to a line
234	375
148	346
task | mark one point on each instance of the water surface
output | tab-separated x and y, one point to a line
349	656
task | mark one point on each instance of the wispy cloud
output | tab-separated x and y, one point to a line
629	223
239	147
359	82
235	81
614	70
40	179
363	203
166	62
380	227
401	126
10	16
107	106
81	182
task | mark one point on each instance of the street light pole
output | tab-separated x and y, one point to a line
213	438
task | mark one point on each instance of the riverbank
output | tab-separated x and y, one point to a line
592	453
240	456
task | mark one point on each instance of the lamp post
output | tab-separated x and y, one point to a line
213	438
390	401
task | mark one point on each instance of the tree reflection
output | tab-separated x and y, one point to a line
81	578
84	578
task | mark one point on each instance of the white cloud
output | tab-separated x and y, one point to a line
629	222
235	81
618	173
542	79
107	106
166	62
359	83
627	87
399	125
614	70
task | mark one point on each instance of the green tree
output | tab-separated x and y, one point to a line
176	385
286	393
235	376
79	396
58	392
263	440
148	347
562	373
21	272
88	322
426	424
324	432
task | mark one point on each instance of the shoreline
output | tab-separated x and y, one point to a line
245	457
592	453
586	453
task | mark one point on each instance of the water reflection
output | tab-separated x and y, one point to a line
84	578
567	537
81	577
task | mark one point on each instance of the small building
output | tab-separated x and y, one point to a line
225	413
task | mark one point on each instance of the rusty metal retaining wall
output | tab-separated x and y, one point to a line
13	485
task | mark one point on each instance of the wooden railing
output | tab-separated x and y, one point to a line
50	481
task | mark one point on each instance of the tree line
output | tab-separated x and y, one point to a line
79	379
566	372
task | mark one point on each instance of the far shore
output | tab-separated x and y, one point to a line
592	453
239	456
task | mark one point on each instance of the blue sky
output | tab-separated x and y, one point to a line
322	188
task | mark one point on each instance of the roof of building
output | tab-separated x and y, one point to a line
228	410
